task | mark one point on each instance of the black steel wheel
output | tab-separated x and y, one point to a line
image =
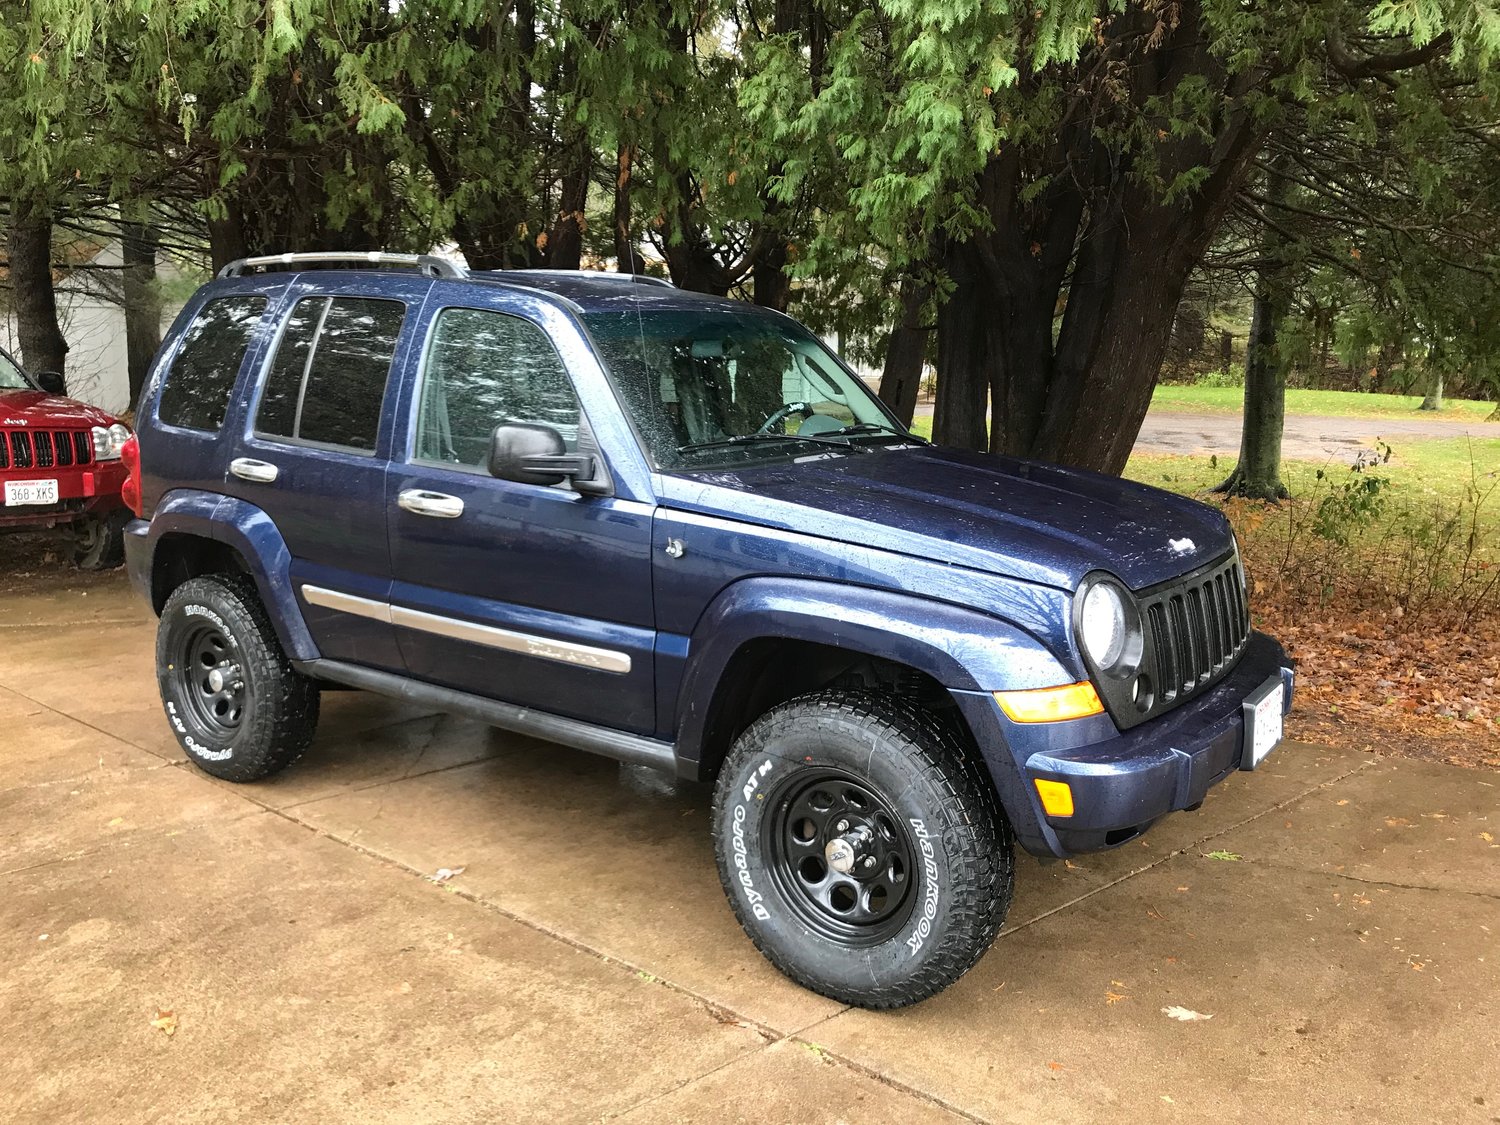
237	706
841	856
210	680
861	848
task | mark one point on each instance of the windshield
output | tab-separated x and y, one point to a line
716	386
11	378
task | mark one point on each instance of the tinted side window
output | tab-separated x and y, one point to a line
485	368
328	376
196	394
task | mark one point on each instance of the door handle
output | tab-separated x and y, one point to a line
420	502
247	468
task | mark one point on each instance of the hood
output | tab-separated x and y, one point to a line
48	412
1026	520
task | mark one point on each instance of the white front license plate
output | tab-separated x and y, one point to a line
1262	722
30	492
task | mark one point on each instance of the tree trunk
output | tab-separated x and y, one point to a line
1258	474
565	243
772	284
1433	400
901	378
1062	305
142	304
627	258
32	296
226	238
965	344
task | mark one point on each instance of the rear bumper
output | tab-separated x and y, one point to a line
1123	783
139	549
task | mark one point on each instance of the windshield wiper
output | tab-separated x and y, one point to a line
745	439
874	428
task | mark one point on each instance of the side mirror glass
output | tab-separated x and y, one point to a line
51	382
535	454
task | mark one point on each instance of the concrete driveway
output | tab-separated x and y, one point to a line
585	965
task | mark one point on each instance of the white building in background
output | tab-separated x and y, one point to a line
93	323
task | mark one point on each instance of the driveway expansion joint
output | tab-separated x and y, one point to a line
1490	896
1187	849
714	1008
886	1080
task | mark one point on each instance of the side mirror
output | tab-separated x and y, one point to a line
51	382
535	454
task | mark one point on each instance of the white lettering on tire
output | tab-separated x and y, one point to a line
923	930
192	745
741	850
194	609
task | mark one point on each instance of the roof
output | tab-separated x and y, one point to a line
588	290
600	291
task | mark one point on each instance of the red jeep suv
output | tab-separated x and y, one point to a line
60	466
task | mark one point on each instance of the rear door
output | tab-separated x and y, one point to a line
316	449
527	593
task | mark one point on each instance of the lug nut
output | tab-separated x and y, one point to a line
869	861
841	826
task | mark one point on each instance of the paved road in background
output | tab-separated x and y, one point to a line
1335	914
1307	437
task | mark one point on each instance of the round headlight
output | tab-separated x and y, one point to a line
107	442
1102	625
1109	629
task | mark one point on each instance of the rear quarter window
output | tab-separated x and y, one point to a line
196	393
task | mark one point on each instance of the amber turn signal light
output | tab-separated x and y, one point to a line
1050	705
1056	797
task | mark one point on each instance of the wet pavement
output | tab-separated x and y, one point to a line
1336	915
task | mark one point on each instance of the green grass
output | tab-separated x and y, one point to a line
1424	473
1348	404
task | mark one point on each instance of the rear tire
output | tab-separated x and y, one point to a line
861	849
238	707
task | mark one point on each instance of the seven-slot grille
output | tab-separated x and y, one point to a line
45	449
1196	629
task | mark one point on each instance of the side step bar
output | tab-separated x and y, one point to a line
635	749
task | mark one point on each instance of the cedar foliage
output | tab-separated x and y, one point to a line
1022	191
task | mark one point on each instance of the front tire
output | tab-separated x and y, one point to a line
860	848
237	706
98	542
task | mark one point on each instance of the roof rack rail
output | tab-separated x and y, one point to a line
593	275
429	264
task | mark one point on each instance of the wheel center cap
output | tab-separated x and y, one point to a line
844	852
221	677
840	855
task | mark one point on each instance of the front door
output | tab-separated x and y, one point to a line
525	593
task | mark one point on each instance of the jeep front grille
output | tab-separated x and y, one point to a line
45	449
1196	628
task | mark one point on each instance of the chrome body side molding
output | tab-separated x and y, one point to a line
491	636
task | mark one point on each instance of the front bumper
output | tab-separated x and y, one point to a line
1123	783
82	491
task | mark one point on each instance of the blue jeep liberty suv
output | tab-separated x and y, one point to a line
677	530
